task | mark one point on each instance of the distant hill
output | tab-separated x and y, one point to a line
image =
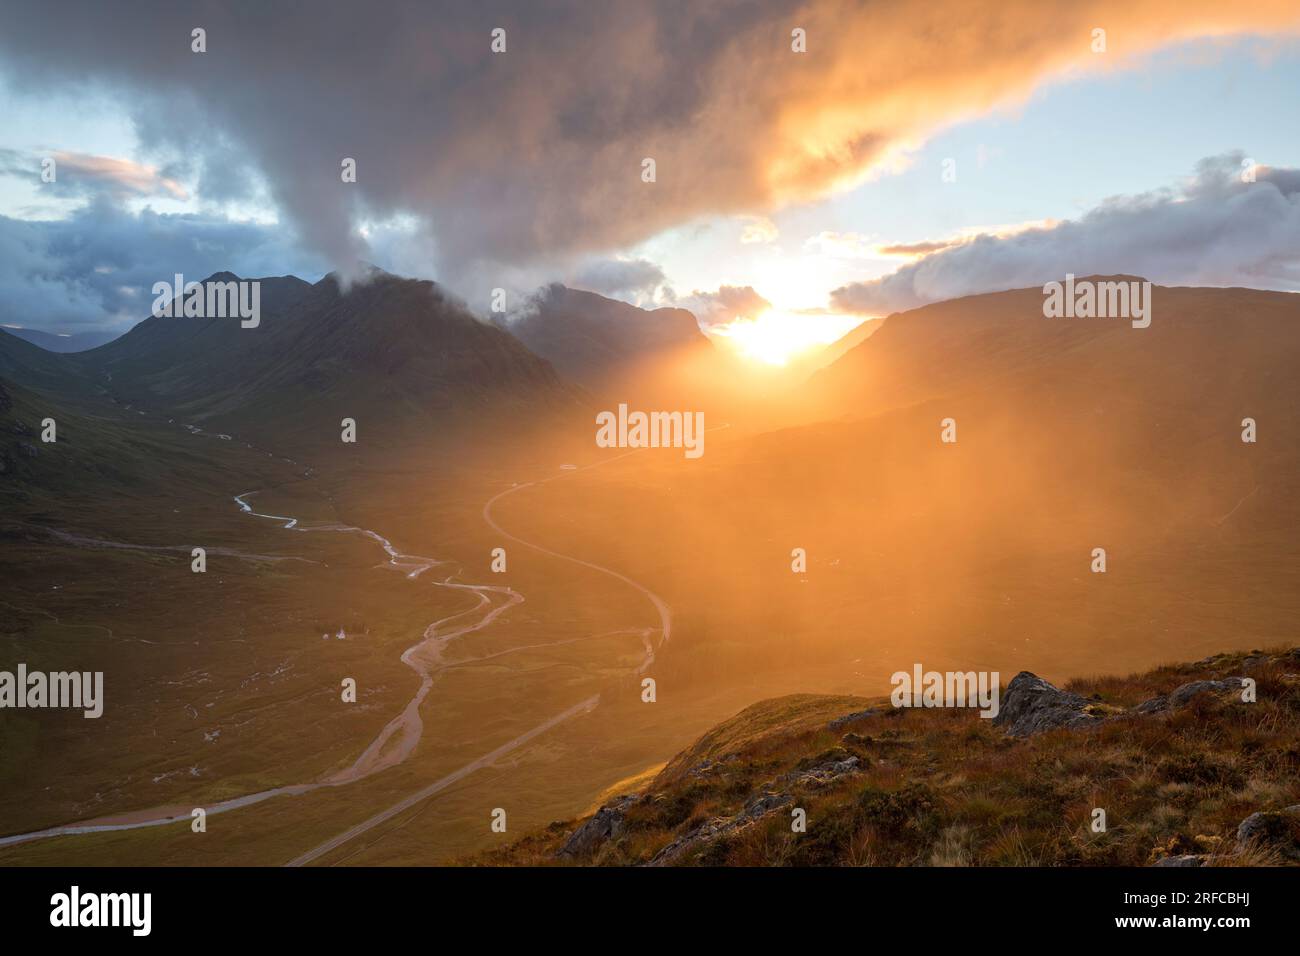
51	342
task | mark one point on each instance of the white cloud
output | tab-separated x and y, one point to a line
1213	230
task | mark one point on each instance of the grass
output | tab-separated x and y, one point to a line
946	788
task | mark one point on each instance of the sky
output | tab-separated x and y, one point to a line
912	152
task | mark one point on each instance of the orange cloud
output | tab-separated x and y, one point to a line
120	176
536	154
874	78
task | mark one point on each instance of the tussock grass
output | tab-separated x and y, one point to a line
946	788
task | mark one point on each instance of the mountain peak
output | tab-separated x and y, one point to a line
223	276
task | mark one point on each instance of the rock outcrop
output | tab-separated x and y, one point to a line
700	837
827	772
1180	696
604	825
1271	831
1031	705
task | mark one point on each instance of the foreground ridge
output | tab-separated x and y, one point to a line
1169	768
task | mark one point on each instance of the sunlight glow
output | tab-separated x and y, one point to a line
775	337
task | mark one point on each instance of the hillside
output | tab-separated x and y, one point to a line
52	342
1203	344
1187	774
31	366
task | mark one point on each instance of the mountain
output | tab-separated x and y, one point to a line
1202	342
398	351
1119	427
51	342
614	348
886	786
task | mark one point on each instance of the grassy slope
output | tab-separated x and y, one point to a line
95	537
944	787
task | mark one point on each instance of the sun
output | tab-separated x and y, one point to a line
774	337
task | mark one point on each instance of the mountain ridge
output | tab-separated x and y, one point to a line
391	349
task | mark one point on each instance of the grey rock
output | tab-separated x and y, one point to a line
1031	705
707	766
839	722
1190	859
826	772
756	808
703	834
1277	829
1181	695
604	825
763	804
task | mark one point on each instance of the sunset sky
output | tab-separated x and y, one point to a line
796	179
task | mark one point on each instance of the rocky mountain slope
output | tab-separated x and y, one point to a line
1186	772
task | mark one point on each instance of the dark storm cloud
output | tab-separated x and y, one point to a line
535	155
95	269
1213	230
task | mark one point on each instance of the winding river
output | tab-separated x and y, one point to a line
400	736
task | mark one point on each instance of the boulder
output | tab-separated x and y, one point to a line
604	825
1275	829
1031	705
1180	696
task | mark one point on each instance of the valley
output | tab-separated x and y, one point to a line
520	690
